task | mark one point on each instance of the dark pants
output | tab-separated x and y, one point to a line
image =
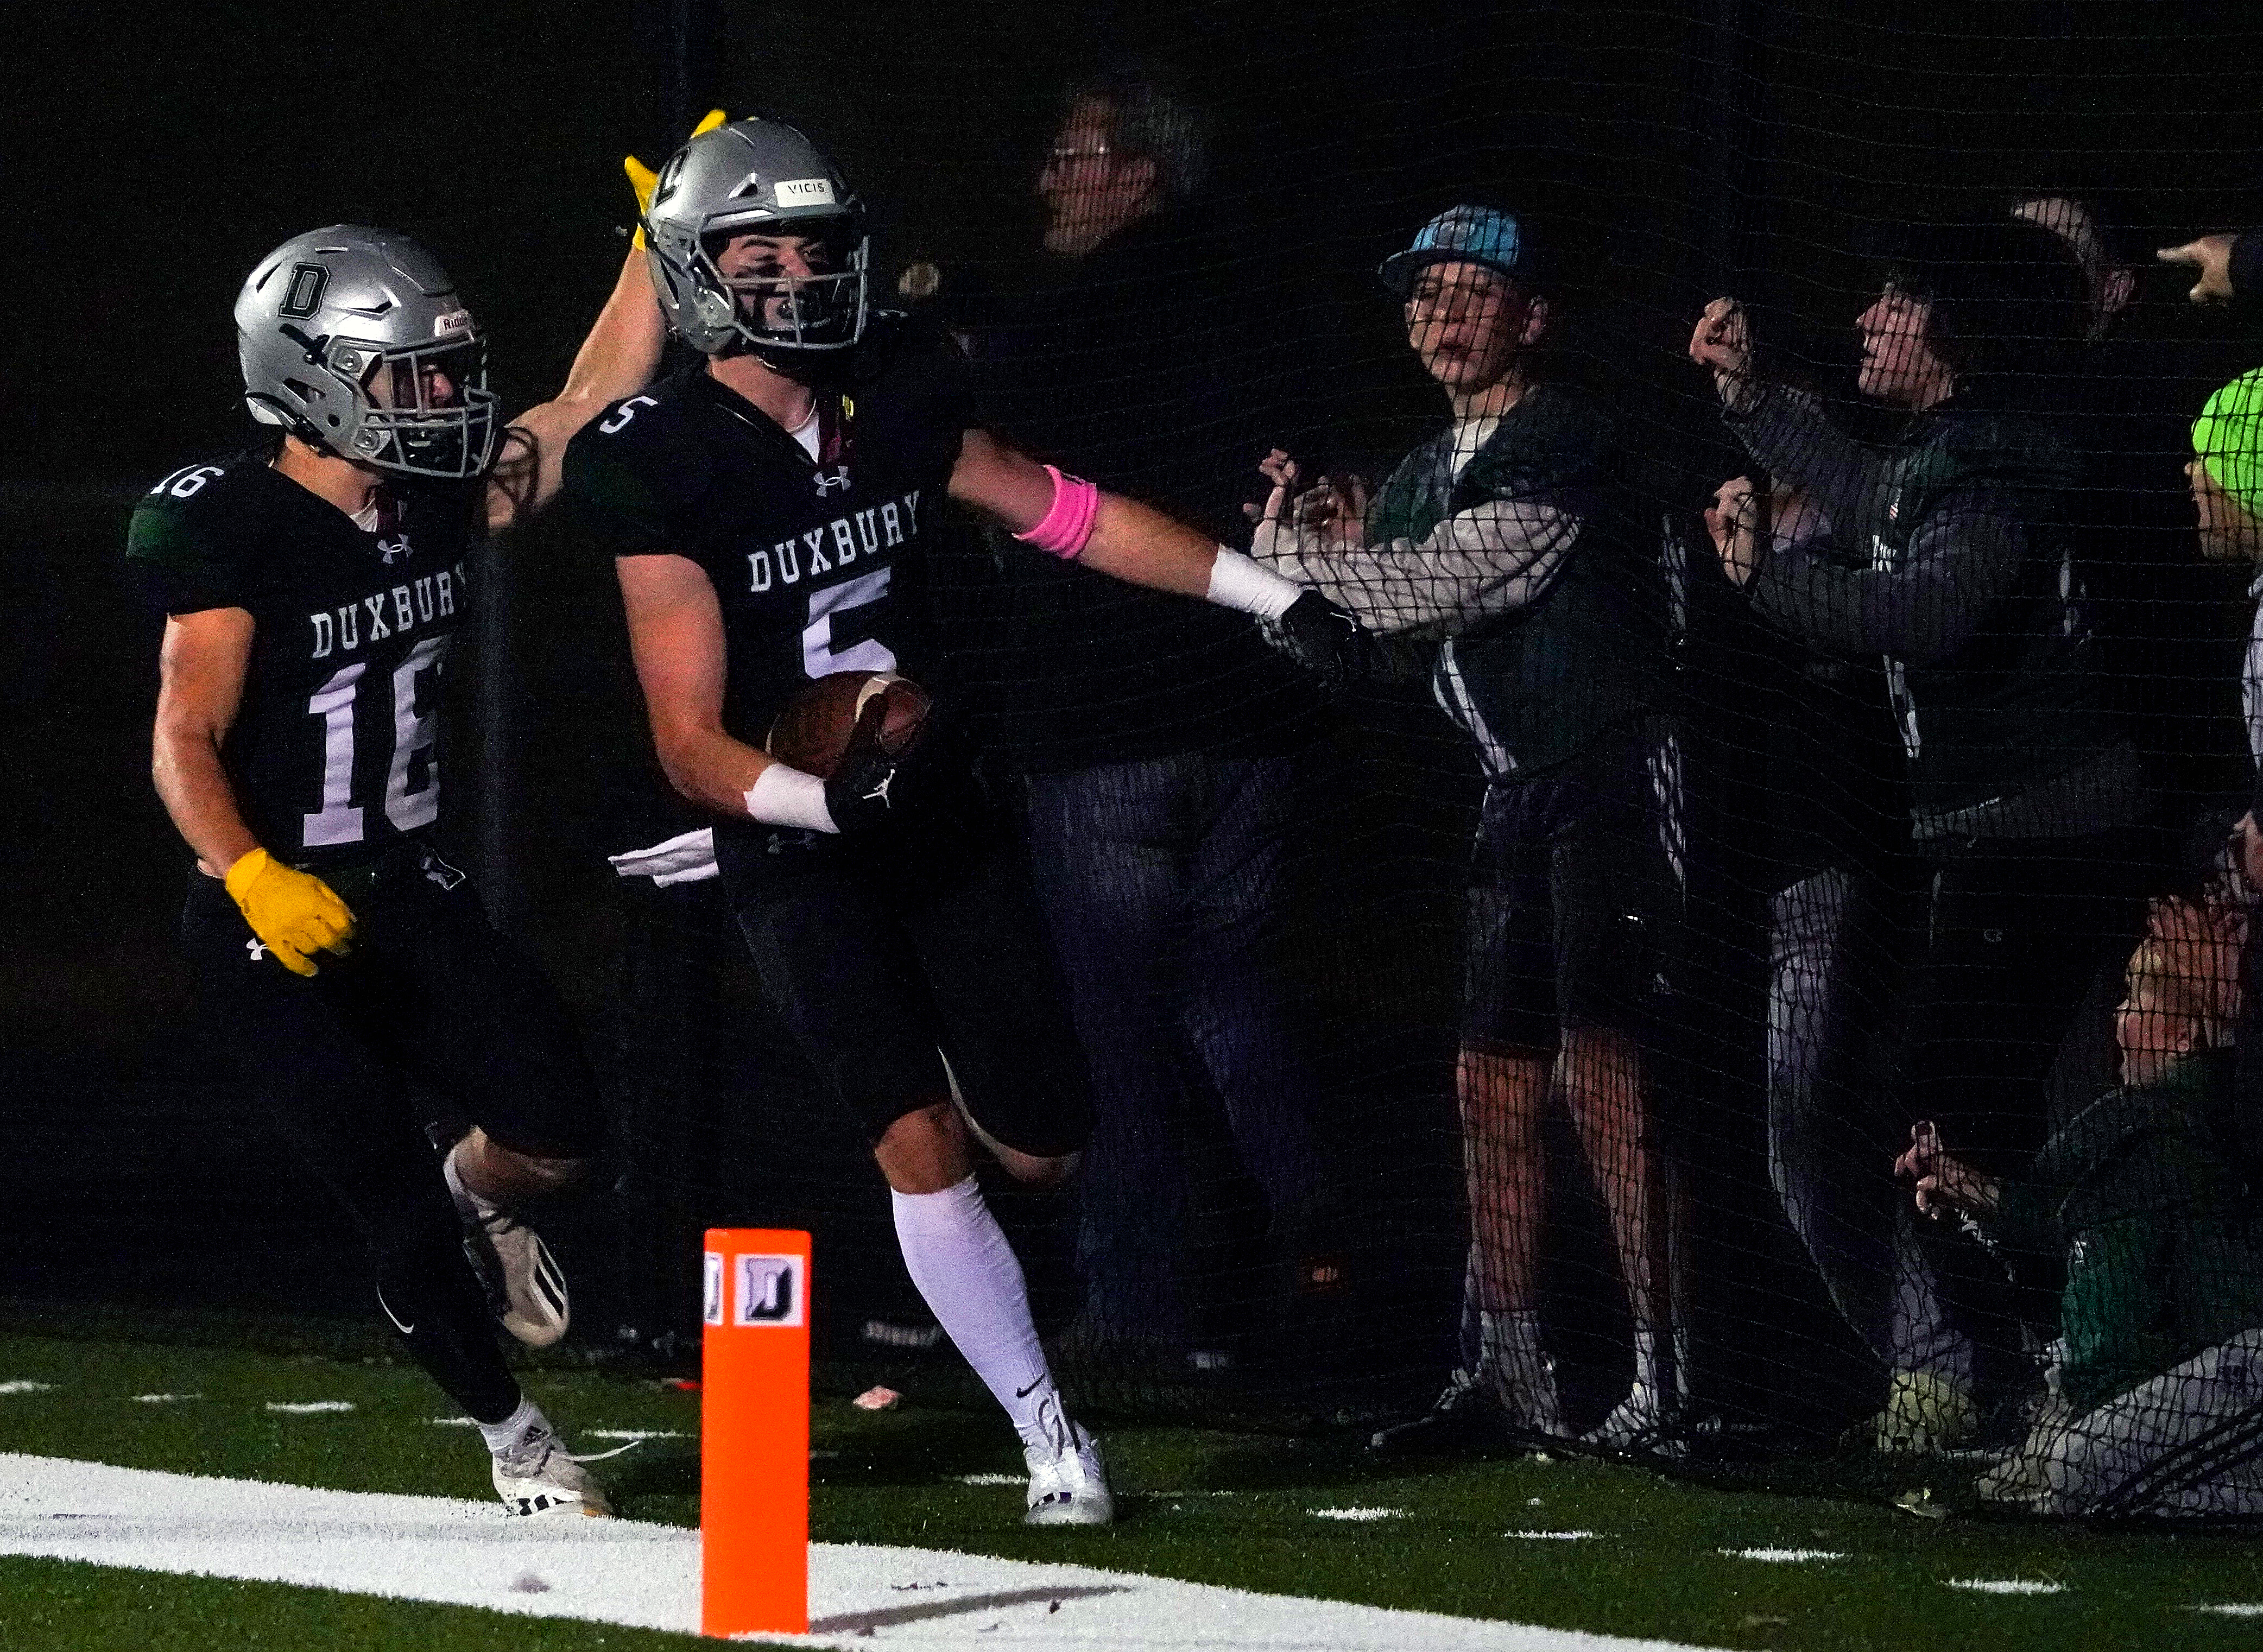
1159	878
889	958
2016	934
430	994
1835	1123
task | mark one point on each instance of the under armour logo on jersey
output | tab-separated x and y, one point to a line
255	947
827	481
391	548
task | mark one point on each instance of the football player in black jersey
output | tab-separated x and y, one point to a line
313	587
766	508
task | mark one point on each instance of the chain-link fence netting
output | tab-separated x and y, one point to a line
1720	933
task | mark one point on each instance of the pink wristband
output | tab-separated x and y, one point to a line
1067	526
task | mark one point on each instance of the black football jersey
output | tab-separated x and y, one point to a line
332	755
810	558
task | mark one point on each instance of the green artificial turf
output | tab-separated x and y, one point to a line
1232	1509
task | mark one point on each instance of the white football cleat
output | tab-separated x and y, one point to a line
1069	1486
1640	1422
538	1475
523	1278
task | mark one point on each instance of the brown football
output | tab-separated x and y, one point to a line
812	730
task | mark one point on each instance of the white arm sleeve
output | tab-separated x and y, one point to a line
1492	558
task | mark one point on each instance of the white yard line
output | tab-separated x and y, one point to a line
2006	1586
627	1572
637	1434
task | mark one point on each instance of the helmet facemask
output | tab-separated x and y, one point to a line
425	409
794	289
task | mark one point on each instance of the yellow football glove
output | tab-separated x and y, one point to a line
643	178
292	912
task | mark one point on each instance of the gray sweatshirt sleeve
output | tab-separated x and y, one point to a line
1965	554
1788	433
1495	557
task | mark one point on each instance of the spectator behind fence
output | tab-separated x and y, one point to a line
1497	540
2160	609
2227	489
2144	1197
2030	809
1836	806
1165	747
2226	475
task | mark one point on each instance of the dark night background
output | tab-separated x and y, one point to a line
1669	150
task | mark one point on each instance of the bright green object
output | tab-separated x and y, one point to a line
2228	439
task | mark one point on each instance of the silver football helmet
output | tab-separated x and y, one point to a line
758	177
355	340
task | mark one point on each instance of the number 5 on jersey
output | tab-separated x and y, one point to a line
837	636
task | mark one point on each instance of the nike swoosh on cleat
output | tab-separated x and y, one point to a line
406	1330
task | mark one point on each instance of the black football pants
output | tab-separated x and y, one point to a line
430	994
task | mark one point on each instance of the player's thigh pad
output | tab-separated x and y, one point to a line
835	962
299	1047
991	971
482	1025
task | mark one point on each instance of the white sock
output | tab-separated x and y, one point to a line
469	1205
1649	1375
1508	1345
971	1281
516	1429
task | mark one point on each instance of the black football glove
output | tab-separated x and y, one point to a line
1325	639
872	789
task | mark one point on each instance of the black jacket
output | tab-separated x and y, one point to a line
1972	594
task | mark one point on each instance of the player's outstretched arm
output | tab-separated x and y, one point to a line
1116	535
201	667
619	359
1132	542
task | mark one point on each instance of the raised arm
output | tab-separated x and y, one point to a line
1785	431
619	357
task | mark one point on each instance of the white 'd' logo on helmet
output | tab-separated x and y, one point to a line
805	191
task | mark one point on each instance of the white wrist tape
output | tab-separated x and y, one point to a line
787	796
1236	581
